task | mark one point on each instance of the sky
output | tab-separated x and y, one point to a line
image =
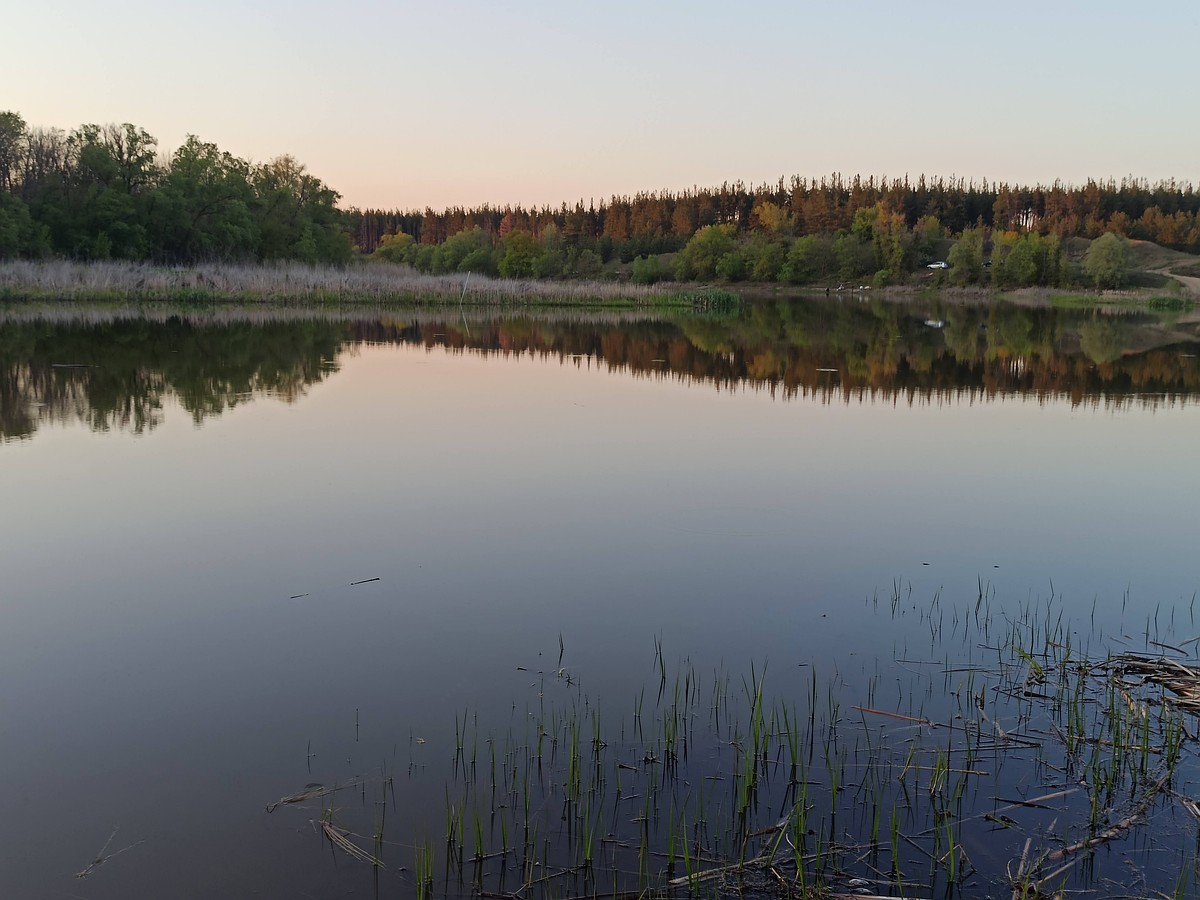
400	105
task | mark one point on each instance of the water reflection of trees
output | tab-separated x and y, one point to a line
119	374
847	350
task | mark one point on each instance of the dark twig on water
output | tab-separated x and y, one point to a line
311	791
340	838
102	857
1119	828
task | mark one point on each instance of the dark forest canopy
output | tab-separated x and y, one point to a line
827	231
101	192
1167	213
104	192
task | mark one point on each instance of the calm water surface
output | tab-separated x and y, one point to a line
189	499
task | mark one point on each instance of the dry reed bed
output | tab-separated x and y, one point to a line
1183	681
99	313
299	283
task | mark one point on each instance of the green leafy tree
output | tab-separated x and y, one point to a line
966	258
422	257
1010	267
855	255
731	266
133	152
12	149
765	257
481	260
893	244
1108	261
863	224
1021	260
1022	263
553	259
522	255
204	207
1049	259
584	263
393	248
102	191
700	256
647	270
14	219
19	234
927	235
297	214
809	259
99	211
468	251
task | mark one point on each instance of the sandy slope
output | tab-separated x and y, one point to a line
1192	284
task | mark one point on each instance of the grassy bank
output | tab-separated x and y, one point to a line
295	283
301	286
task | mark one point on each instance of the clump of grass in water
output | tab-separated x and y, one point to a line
423	863
789	790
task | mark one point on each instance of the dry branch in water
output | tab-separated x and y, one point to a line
311	791
339	839
1120	827
1182	681
102	858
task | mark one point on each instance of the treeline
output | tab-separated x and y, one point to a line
800	232
1167	213
877	247
103	192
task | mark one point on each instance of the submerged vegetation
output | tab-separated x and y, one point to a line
1007	755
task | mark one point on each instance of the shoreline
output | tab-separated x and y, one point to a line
303	285
297	284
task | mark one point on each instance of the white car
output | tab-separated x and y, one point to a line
940	264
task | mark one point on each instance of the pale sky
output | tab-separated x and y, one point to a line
403	105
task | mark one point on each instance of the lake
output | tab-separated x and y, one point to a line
418	603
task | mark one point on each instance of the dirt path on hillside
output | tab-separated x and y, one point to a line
1192	284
